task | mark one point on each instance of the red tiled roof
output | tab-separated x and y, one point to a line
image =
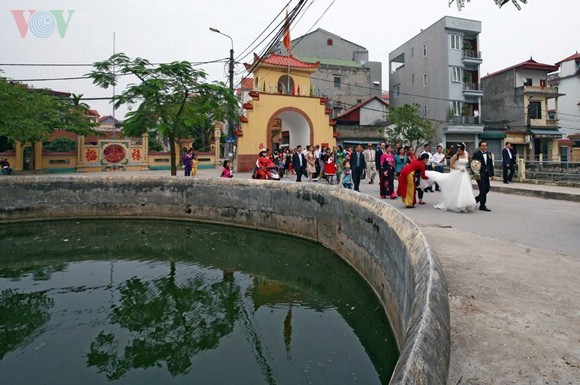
283	61
576	56
93	112
529	65
359	106
247	83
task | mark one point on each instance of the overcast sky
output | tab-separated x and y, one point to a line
162	31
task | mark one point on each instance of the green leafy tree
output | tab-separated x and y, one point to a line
173	98
407	126
29	115
61	145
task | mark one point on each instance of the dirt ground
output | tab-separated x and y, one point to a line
512	320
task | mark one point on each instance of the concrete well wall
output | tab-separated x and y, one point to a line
386	248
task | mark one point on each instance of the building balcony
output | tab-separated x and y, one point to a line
548	123
463	120
547	91
472	89
471	57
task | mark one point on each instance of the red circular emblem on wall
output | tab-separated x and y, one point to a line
114	153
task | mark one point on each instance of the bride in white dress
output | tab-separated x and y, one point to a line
456	190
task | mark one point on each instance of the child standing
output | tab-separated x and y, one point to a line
329	167
227	171
346	177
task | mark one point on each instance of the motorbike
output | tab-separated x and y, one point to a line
6	170
271	172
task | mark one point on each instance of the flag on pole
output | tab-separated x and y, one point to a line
287	41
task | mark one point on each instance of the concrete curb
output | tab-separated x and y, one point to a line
385	247
537	193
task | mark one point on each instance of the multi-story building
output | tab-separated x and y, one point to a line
345	76
520	96
439	70
567	79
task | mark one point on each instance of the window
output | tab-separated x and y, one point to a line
455	108
535	110
413	78
412	51
336	111
455	42
397	90
336	81
456	74
528	82
425	111
424	80
329	42
424	49
285	85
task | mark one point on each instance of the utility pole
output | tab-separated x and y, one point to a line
231	134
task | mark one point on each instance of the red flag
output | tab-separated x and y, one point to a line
287	41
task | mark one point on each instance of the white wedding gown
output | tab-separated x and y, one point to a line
456	189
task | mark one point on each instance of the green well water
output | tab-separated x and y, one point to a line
169	302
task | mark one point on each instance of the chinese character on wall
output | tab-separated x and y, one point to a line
91	155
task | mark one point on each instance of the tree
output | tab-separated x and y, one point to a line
174	98
499	3
61	145
406	126
29	115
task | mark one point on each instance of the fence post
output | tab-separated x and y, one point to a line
521	170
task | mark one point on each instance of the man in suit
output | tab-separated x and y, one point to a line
380	151
358	166
485	172
507	162
298	163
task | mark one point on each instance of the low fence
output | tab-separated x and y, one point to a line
544	171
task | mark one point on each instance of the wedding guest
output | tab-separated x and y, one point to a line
411	154
372	168
358	165
407	185
340	156
429	165
507	163
298	163
227	171
329	166
400	161
439	161
379	153
387	170
346	176
187	160
311	165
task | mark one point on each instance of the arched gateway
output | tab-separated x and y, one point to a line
283	110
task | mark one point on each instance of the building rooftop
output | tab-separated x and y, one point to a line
576	56
282	61
530	64
332	62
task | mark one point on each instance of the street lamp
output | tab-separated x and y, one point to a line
231	76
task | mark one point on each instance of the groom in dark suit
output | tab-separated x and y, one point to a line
485	172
